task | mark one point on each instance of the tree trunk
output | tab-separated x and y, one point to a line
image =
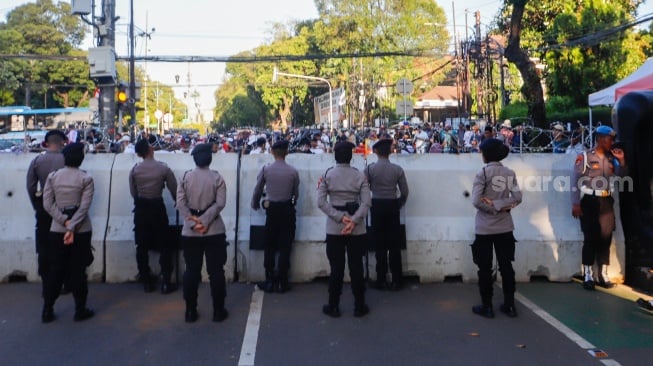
532	87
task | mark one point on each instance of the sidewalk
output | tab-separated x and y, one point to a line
428	324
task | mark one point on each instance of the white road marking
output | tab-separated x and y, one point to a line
250	339
575	337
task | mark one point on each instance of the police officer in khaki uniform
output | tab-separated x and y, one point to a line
346	207
67	197
495	193
384	177
592	203
201	196
146	183
37	173
281	183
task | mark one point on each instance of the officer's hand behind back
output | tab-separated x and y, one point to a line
576	211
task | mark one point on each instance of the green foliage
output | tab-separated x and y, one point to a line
559	109
43	28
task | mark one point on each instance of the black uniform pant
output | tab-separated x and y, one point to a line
504	247
151	233
279	235
385	233
70	260
214	248
354	247
42	235
597	224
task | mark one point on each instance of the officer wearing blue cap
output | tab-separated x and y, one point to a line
39	169
281	183
201	197
592	203
346	207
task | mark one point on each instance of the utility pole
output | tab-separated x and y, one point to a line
131	103
108	39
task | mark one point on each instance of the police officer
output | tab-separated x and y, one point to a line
495	193
384	178
67	196
201	196
348	202
281	183
592	203
37	173
146	183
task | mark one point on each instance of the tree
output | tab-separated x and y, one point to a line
532	87
43	28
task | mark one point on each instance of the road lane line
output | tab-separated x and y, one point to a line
250	339
575	337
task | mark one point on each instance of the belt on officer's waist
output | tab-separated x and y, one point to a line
197	212
69	211
595	192
349	207
277	204
149	200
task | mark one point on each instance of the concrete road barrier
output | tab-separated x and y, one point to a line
439	217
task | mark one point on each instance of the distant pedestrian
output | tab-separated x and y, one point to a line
495	194
67	197
281	184
344	196
201	197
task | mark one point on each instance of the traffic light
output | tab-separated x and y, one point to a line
121	96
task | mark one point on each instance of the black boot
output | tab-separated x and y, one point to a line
282	284
332	309
47	316
485	311
360	307
149	282
81	311
219	311
191	314
268	285
167	286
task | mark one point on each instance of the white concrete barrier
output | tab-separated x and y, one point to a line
439	218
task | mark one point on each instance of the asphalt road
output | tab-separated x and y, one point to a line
424	324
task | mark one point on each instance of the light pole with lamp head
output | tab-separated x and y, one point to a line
277	73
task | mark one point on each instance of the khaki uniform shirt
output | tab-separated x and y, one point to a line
38	172
598	170
499	184
148	179
343	184
69	187
384	178
202	189
281	182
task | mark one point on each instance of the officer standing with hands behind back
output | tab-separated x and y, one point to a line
592	203
67	197
281	182
348	202
384	177
37	173
146	183
201	196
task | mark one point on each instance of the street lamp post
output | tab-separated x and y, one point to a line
277	73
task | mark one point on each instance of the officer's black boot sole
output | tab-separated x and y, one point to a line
220	315
484	311
361	311
588	285
47	316
191	316
509	310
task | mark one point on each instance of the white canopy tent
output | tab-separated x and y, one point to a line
611	94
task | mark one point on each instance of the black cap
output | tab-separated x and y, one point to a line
281	145
382	143
73	154
494	150
343	146
202	149
55	133
141	147
261	141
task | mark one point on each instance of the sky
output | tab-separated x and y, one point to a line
223	28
